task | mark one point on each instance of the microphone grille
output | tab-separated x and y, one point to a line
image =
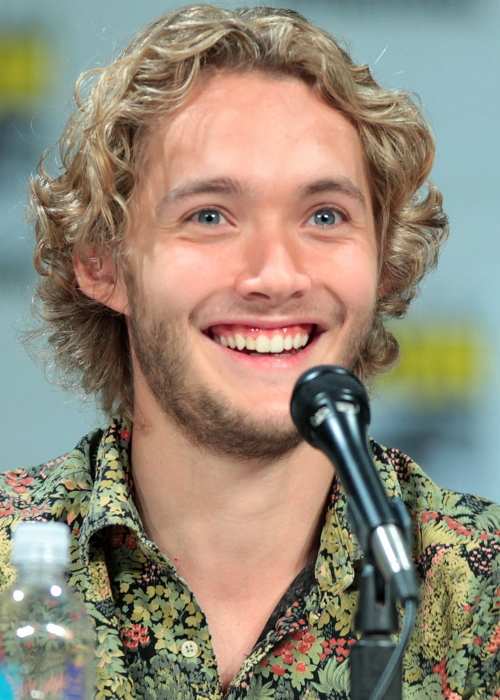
322	385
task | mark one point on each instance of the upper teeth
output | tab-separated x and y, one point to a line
263	343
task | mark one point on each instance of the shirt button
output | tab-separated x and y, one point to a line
189	649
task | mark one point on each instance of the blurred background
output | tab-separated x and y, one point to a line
441	404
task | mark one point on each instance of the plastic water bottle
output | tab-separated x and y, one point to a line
47	641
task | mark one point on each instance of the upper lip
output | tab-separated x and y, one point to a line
267	323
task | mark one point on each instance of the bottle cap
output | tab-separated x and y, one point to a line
41	543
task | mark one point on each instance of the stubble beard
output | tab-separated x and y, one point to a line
206	418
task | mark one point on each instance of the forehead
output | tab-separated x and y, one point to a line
268	127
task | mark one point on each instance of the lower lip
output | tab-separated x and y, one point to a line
269	361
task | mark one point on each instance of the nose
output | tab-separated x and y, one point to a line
273	269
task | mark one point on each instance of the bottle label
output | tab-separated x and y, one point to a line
70	685
10	681
74	685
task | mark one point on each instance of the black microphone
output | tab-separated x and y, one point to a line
330	409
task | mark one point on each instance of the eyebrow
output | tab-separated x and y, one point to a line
230	186
215	185
343	185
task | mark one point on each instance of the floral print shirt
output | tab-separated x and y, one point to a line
152	638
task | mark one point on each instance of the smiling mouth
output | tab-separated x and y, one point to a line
288	340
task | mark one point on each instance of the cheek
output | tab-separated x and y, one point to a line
352	276
178	279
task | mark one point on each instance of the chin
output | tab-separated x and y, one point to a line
277	415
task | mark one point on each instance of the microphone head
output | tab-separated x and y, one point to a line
325	385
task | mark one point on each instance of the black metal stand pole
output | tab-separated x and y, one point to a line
376	619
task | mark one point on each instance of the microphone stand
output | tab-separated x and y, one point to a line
376	618
330	409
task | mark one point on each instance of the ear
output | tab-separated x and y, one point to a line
99	278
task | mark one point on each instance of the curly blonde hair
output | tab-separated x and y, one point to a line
86	205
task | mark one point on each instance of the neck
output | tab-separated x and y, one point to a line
221	519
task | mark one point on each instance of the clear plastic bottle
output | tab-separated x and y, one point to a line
47	641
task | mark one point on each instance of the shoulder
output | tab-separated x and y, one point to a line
53	490
456	551
33	487
464	514
453	532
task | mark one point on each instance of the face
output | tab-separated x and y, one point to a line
252	257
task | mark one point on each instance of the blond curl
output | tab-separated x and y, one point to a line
85	207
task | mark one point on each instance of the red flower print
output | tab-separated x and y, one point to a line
19	480
131	541
494	643
429	515
6	510
328	646
440	669
278	670
135	635
457	527
285	651
131	644
301	667
341	647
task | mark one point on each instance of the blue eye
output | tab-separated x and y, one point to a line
327	217
208	216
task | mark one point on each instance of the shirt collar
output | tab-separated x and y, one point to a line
111	501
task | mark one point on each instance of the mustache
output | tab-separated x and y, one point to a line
323	307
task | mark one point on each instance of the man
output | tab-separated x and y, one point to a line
239	202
